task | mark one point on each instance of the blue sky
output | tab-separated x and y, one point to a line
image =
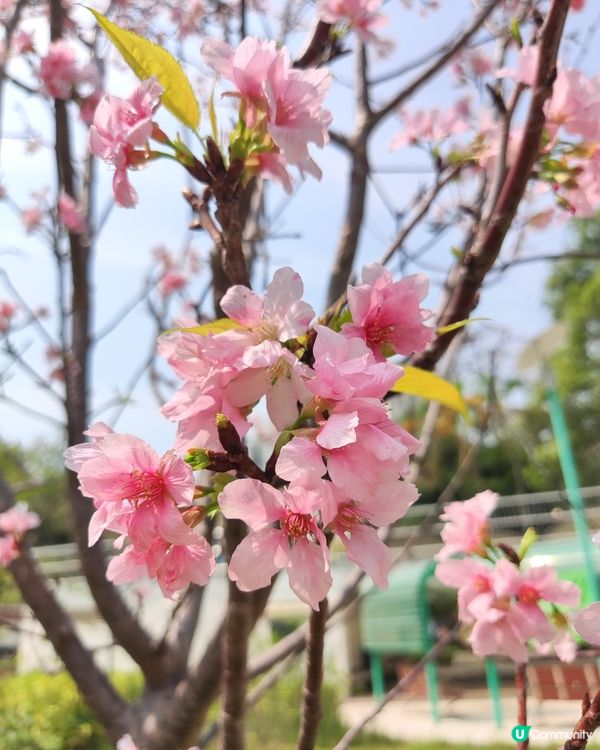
124	250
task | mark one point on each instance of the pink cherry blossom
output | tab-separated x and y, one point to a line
296	116
32	218
298	545
387	313
247	68
358	432
587	623
432	125
503	604
363	16
270	369
60	70
8	310
352	522
70	214
171	281
280	315
526	69
346	368
121	128
466	525
575	104
9	550
18	520
288	102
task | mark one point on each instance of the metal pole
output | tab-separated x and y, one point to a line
569	472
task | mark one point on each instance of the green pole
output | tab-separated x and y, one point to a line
493	684
569	472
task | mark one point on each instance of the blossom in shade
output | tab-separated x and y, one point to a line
387	314
297	544
466	525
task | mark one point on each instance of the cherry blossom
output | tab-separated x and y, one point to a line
466	525
362	16
60	70
298	544
70	214
120	133
388	313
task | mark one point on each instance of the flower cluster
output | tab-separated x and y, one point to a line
507	606
339	465
281	108
138	494
14	524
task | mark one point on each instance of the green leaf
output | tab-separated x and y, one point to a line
455	326
529	537
417	382
148	59
216	326
515	31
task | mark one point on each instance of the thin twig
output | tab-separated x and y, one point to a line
401	685
521	688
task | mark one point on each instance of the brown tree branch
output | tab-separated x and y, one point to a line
123	624
436	66
587	724
470	272
521	688
237	631
311	695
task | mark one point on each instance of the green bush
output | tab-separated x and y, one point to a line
45	712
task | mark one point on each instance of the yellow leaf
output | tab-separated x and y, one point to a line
148	59
416	382
216	326
455	326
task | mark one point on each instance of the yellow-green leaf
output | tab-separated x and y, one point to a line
455	326
216	326
416	382
148	59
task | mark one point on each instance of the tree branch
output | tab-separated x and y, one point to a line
436	66
311	696
471	270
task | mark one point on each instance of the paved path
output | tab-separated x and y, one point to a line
466	721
